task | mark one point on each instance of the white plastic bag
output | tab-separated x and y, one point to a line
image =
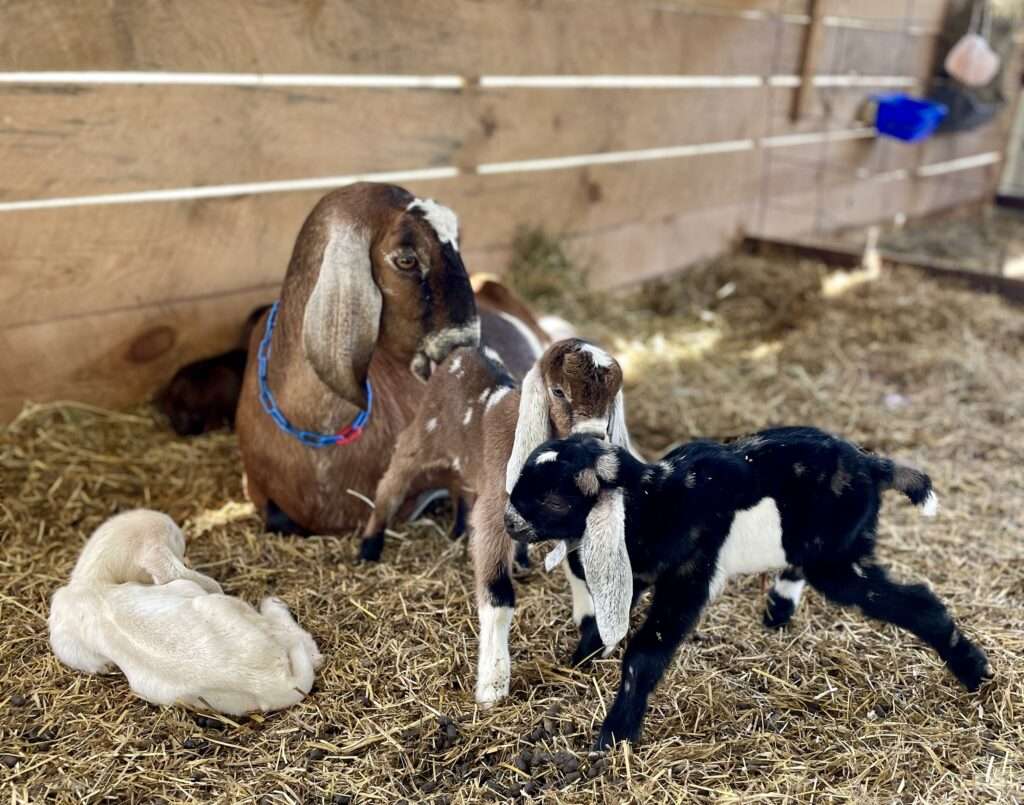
971	61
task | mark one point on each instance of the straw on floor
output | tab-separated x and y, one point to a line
833	709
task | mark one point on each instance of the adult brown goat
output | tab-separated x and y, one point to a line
375	295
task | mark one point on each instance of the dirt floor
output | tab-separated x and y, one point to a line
832	709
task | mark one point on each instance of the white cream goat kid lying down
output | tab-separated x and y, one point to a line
132	603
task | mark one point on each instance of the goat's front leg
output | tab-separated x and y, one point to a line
496	597
677	604
910	606
784	597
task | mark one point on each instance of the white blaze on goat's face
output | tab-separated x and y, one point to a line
599	356
546	456
443	220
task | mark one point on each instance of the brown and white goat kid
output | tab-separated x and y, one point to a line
375	294
477	430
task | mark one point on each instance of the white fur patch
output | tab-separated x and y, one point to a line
607	467
494	666
930	507
498	396
469	416
457	465
789	589
546	456
456	365
582	603
598	355
484	395
443	220
528	335
556	327
431	425
753	545
593	427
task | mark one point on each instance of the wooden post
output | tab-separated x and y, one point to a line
809	62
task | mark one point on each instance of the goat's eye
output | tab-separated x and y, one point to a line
556	503
557	391
407	262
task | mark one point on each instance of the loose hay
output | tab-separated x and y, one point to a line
831	710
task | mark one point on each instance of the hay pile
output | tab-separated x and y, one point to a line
831	710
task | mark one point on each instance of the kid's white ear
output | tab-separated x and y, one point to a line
607	567
617	431
533	427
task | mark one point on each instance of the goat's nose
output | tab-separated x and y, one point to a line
516	526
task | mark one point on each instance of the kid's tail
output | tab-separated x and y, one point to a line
913	483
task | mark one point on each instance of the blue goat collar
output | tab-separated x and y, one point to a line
346	435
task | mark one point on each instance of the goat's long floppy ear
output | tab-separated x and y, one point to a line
607	568
532	427
342	317
618	434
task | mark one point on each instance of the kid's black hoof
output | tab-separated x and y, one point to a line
779	612
371	548
969	664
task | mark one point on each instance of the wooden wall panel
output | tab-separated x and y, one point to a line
103	302
401	36
121	357
146	253
106	139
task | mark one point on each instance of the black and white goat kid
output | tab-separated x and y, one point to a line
792	499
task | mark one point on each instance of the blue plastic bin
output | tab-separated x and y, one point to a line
905	118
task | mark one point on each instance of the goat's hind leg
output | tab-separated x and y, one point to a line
910	606
784	597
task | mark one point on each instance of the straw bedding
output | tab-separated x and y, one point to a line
833	709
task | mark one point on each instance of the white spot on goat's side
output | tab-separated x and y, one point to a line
457	465
546	456
468	417
444	222
456	365
431	424
498	396
598	355
484	395
930	507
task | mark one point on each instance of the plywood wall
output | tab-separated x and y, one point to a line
150	193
